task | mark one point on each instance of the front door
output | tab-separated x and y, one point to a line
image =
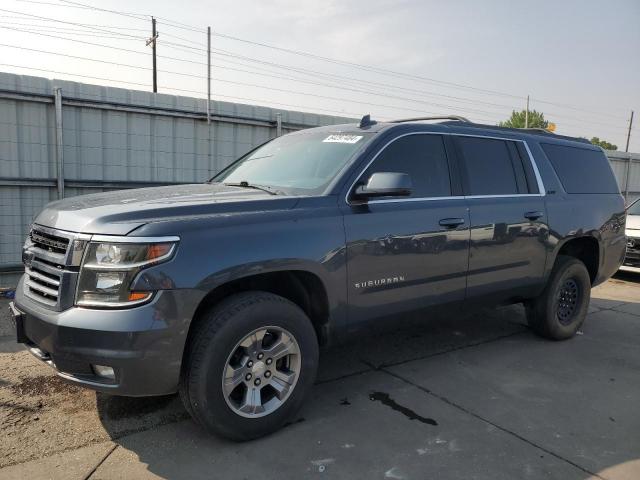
410	252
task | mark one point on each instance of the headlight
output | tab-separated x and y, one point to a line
108	268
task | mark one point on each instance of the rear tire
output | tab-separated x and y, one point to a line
559	312
250	364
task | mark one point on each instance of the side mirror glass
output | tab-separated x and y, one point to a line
385	184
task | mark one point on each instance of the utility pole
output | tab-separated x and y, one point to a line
526	114
629	131
152	42
208	74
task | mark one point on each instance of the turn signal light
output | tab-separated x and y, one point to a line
135	296
158	250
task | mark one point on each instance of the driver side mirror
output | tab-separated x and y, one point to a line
385	184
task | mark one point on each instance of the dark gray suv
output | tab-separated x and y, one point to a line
224	291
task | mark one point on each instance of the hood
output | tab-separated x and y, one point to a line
120	212
633	223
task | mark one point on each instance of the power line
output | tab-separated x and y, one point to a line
255	73
326	97
221	52
224	53
81	41
294	79
338	61
182	46
21	17
68	23
138	16
67	31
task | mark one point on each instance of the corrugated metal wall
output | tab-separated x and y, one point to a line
114	138
117	138
626	166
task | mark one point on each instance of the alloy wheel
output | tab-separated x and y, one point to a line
261	372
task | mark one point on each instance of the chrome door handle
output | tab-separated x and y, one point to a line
451	222
533	215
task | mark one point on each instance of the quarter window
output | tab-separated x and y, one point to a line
581	170
423	158
488	166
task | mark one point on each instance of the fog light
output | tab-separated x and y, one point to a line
104	371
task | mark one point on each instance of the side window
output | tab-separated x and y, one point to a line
423	158
532	182
581	170
488	166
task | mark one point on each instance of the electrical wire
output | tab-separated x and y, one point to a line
344	88
232	82
332	60
450	107
182	46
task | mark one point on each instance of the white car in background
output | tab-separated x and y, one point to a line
632	259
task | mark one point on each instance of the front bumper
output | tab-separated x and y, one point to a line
143	345
632	257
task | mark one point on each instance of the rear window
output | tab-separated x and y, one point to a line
581	170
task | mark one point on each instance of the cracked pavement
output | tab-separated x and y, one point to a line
470	396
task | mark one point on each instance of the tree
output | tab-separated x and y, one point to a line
603	143
536	120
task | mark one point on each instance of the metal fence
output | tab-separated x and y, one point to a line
61	138
626	166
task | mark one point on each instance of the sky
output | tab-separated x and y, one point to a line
579	61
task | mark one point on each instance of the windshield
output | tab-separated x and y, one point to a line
299	164
634	209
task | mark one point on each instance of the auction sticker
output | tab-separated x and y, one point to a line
342	138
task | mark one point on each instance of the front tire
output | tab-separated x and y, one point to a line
562	308
249	366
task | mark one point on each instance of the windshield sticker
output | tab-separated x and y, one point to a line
342	138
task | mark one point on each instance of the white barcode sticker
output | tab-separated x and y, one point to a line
342	138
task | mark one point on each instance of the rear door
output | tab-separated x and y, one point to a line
401	253
508	221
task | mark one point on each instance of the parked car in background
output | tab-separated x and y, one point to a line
632	258
224	291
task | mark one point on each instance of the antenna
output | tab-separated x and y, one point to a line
366	121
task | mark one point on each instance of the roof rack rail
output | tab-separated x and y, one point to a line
536	130
444	117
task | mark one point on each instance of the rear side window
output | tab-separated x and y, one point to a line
581	170
488	166
423	158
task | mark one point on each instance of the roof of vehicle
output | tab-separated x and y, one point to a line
462	126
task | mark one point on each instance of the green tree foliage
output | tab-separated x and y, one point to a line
536	120
603	143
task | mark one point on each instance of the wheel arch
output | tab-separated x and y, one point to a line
587	249
302	287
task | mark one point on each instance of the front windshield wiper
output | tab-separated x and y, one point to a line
264	188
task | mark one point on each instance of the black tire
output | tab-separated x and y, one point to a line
222	328
562	308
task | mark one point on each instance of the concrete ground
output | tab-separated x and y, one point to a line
476	396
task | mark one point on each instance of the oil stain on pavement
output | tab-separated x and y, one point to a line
385	399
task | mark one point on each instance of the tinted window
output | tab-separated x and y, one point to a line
532	182
423	157
581	170
488	166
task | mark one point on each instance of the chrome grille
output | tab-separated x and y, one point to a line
52	258
49	242
42	284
